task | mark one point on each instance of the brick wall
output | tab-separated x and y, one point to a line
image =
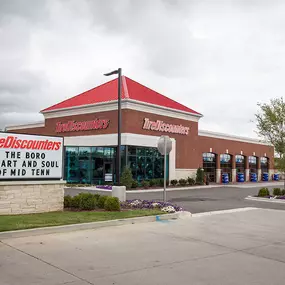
31	197
189	148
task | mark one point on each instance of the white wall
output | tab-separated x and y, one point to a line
185	173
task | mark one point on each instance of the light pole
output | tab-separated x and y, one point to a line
118	166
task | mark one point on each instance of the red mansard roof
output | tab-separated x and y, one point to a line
130	90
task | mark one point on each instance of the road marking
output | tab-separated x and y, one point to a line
224	212
258	199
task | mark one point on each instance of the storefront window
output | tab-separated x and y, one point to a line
145	163
141	151
132	161
226	164
71	165
149	168
209	165
132	150
240	164
264	164
85	165
252	164
97	165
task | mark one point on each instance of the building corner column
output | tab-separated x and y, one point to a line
247	178
271	169
218	169
258	165
172	162
234	169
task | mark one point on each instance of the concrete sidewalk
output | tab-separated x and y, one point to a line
238	248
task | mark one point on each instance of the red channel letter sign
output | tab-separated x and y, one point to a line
74	126
160	126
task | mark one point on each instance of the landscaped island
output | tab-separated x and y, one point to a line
87	207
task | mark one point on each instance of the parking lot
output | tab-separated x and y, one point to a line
207	199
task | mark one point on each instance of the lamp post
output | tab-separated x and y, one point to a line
118	166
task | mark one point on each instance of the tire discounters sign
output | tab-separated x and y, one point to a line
30	157
74	126
160	126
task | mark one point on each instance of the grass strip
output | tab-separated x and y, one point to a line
31	221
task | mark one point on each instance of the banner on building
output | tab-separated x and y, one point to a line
30	157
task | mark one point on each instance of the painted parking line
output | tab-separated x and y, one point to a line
224	212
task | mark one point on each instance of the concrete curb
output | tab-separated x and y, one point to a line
256	184
146	190
259	199
239	185
89	226
237	210
172	189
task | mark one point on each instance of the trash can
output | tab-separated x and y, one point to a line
240	177
265	176
276	176
225	178
253	177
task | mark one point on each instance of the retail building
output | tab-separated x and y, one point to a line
88	123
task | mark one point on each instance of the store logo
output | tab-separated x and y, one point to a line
12	142
160	126
74	126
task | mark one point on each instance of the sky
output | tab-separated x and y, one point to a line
219	58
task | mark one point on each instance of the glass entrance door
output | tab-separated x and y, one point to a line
108	171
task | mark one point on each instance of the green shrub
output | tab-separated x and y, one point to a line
182	182
174	182
87	201
191	181
154	182
135	184
200	176
67	201
276	191
283	192
112	204
263	192
97	196
145	184
101	202
161	182
127	178
75	201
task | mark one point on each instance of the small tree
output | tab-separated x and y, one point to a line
271	127
127	178
271	124
200	176
280	165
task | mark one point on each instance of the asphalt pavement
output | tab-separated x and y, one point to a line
205	199
235	248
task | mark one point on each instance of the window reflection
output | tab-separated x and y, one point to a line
252	161
209	165
87	164
264	164
226	164
145	163
240	164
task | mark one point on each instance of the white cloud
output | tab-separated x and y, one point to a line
219	58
